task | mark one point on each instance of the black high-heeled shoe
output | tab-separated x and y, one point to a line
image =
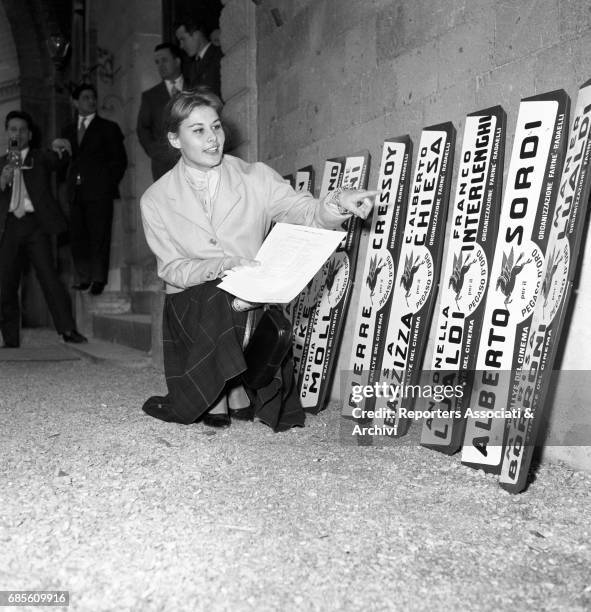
243	414
216	420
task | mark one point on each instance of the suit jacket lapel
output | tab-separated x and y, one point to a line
29	158
184	200
93	126
165	95
28	161
209	55
185	203
4	197
202	64
228	195
70	132
161	94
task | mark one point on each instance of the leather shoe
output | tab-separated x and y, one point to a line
96	288
216	420
81	286
158	407
243	414
74	336
10	345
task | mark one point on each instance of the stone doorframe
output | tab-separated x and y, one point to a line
239	79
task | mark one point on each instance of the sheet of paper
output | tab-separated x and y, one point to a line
290	257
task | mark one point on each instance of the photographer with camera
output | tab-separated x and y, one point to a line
29	214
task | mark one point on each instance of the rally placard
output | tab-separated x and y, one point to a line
379	271
327	321
464	278
517	271
417	274
562	255
304	179
302	307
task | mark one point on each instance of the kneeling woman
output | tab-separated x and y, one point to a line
207	215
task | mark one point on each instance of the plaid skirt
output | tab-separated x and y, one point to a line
203	358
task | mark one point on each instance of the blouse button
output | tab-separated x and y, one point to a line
209	274
213	241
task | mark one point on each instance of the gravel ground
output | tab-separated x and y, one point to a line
128	513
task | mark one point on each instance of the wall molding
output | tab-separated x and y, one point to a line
10	90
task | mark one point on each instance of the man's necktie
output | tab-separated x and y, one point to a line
17	197
81	130
173	91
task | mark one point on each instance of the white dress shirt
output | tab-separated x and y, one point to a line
85	119
204	184
28	204
203	51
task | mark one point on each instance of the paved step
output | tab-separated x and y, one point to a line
129	329
141	301
100	350
51	352
109	302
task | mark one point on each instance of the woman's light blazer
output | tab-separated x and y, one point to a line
190	247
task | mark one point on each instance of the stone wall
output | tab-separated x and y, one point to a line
125	35
336	76
239	78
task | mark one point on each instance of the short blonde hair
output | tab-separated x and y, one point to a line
181	105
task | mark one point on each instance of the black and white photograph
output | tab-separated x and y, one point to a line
293	305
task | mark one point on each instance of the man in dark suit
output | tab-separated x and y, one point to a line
203	67
28	215
150	121
98	164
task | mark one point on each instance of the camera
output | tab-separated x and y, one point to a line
14	154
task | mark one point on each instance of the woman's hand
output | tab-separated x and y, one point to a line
359	202
234	262
240	305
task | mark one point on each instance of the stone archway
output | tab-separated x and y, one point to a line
9	72
31	24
